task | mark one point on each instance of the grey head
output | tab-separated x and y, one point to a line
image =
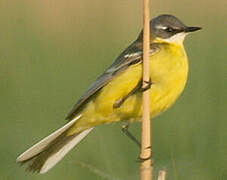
166	26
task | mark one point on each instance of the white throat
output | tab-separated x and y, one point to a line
177	38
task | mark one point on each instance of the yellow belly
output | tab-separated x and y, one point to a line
168	71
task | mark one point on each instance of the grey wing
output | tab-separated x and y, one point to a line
132	55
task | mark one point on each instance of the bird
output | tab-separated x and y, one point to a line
116	95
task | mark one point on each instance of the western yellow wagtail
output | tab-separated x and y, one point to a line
117	94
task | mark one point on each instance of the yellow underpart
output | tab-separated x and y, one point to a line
169	71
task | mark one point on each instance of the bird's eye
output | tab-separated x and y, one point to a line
169	29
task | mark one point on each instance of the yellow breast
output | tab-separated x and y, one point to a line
168	71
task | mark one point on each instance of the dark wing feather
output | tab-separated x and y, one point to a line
132	55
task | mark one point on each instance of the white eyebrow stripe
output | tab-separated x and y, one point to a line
161	27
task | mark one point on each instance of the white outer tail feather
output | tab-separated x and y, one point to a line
55	158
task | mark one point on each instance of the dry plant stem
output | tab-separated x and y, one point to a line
146	168
162	175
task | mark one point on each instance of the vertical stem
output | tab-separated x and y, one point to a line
162	175
146	168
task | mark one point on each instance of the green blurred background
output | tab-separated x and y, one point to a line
52	50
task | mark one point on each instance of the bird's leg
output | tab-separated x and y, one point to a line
140	160
127	133
121	100
148	85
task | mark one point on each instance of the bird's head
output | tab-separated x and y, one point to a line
169	29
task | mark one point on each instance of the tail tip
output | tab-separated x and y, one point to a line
19	159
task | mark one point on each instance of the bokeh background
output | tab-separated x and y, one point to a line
52	50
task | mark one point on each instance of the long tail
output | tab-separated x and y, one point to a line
49	151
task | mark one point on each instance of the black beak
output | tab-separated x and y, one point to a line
192	29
